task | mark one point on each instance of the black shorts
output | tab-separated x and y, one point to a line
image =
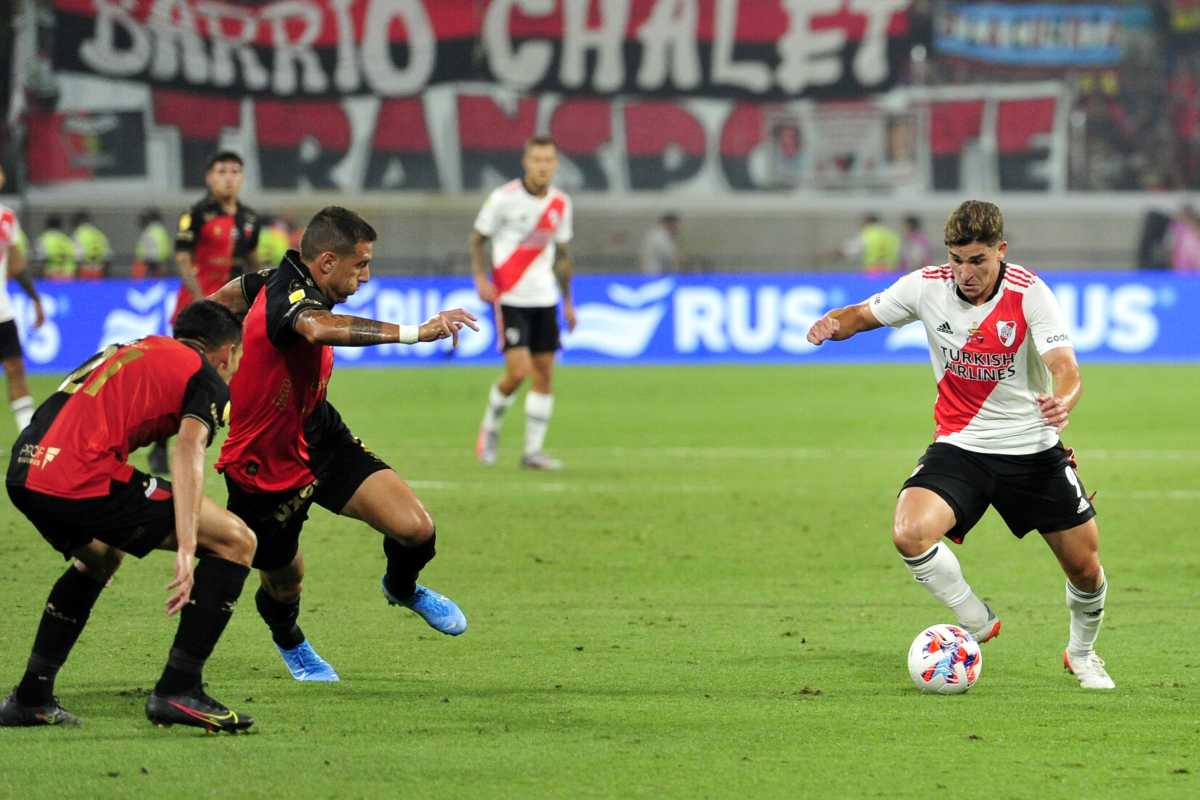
136	516
535	328
10	340
1038	491
340	463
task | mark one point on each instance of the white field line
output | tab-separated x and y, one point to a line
638	487
858	453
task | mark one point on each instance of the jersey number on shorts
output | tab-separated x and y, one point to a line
1073	479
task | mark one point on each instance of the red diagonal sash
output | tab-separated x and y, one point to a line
506	275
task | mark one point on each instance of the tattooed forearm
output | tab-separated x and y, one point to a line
369	331
562	270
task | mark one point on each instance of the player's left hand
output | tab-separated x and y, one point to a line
569	315
447	324
39	314
1054	411
182	585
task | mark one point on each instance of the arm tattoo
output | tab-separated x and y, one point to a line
562	270
366	331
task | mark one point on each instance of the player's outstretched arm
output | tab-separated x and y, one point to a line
842	323
319	326
17	271
187	485
1068	387
477	247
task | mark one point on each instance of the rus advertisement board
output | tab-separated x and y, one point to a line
683	319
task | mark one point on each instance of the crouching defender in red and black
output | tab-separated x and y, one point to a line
70	475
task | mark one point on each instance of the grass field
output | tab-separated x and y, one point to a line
705	603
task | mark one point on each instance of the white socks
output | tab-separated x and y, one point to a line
1087	612
22	409
938	570
538	410
498	403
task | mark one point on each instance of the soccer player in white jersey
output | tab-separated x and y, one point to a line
1007	381
529	224
12	265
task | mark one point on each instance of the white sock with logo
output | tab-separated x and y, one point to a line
1087	612
22	409
538	409
497	404
938	570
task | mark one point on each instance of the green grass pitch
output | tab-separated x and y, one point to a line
705	603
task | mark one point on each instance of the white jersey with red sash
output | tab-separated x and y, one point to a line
10	232
524	230
986	359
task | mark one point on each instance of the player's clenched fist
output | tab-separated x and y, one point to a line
447	324
823	330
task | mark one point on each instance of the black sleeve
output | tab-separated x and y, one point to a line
285	300
253	283
206	398
189	228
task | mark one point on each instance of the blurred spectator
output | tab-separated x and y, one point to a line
274	239
153	246
876	246
1184	236
56	254
660	246
915	250
95	255
1153	252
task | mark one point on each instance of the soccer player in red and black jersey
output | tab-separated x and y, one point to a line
217	240
288	447
69	474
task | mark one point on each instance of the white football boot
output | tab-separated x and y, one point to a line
1089	670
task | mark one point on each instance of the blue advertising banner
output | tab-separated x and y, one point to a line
1038	34
680	319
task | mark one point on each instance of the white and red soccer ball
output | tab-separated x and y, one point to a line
944	659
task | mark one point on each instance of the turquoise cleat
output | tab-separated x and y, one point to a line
442	613
305	665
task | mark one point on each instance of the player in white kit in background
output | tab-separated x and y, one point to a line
12	265
529	223
1007	380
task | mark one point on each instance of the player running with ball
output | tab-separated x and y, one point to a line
1007	381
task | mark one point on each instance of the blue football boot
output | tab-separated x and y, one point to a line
305	665
442	613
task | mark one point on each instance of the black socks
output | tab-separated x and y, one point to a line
67	610
404	564
215	591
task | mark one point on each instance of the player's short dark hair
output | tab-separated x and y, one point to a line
150	215
334	229
80	217
209	323
53	222
541	140
222	156
975	221
913	221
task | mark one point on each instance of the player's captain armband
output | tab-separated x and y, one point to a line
296	296
185	222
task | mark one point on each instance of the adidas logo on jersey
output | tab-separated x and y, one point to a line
944	328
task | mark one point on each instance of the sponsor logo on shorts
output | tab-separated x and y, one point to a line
513	335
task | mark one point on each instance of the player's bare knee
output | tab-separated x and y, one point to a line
1085	574
911	537
414	528
242	543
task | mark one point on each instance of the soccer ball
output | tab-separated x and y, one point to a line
944	659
